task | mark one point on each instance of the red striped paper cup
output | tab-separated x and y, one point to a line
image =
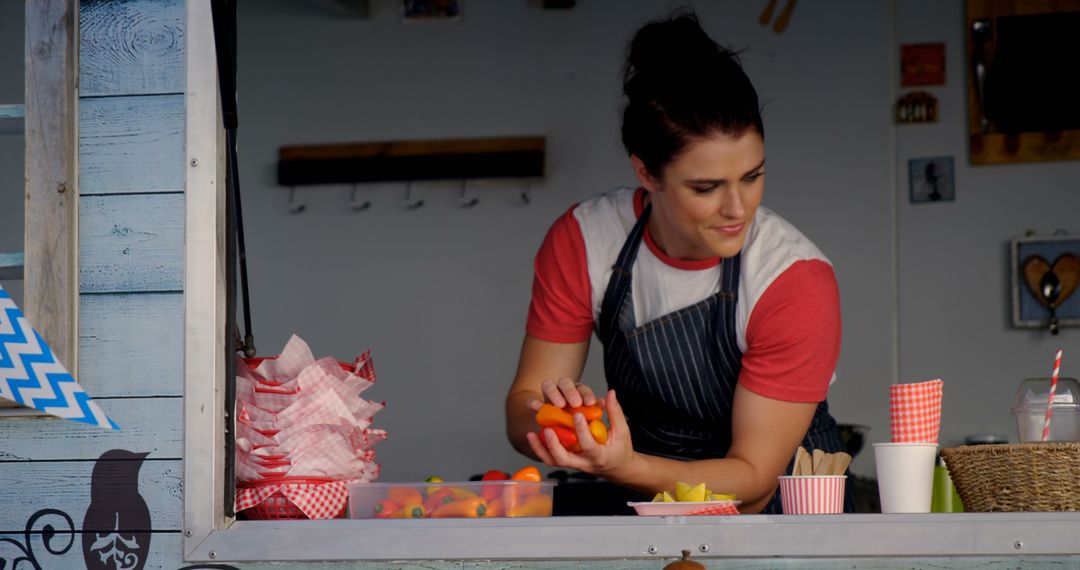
812	494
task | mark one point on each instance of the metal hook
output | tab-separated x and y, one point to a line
525	193
357	206
294	206
466	202
411	204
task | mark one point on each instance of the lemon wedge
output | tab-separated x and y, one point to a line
684	492
721	497
663	497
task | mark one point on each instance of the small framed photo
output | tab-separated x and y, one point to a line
422	10
922	64
931	179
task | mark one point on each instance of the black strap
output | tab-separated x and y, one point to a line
621	277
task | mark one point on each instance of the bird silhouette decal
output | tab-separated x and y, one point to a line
116	528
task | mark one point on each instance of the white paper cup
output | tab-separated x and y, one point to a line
905	473
812	494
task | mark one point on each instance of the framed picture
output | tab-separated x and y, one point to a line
419	10
922	64
931	179
1045	274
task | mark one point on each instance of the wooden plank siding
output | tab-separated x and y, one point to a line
131	47
164	553
147	425
131	144
51	171
128	344
130	284
65	485
131	243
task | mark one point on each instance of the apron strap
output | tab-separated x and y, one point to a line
621	277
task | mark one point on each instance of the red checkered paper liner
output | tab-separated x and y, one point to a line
315	500
915	411
724	509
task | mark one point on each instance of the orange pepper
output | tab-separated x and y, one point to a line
530	473
384	508
598	431
495	508
535	506
469	508
438	499
405	496
550	416
409	512
590	412
525	477
461	493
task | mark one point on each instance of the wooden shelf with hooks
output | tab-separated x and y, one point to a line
443	159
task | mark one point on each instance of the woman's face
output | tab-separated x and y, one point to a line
707	196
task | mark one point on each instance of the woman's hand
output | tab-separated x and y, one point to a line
563	393
605	460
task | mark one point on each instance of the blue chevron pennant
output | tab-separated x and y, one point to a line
31	376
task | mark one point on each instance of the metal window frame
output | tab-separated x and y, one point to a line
210	536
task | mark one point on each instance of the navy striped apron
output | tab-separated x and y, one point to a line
675	376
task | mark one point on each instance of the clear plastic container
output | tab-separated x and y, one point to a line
1029	407
451	499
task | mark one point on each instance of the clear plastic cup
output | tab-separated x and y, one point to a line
1029	408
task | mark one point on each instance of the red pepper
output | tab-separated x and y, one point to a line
489	492
567	438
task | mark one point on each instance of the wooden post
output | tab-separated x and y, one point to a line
51	266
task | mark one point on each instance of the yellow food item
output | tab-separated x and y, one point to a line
663	497
685	492
721	497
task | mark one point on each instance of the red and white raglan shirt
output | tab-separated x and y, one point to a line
787	318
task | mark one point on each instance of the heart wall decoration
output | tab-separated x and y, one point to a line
1045	282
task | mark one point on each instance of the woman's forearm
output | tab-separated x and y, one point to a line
649	474
519	420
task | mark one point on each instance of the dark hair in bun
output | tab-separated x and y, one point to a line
681	85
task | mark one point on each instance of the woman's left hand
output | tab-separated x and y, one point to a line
595	458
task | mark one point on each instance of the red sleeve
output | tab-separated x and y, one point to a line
793	337
561	308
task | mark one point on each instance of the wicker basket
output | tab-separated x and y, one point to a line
1016	477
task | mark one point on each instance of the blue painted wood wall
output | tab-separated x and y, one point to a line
131	221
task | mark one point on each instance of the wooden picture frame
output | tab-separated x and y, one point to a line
1014	95
1027	310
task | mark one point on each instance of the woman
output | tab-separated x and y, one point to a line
721	333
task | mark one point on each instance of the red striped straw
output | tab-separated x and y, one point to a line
1050	403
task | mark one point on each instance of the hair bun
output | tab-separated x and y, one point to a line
664	54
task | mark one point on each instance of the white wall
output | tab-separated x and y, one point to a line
440	294
954	264
11	145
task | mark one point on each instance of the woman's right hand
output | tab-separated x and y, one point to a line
565	393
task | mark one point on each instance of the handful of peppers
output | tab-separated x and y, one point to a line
561	421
